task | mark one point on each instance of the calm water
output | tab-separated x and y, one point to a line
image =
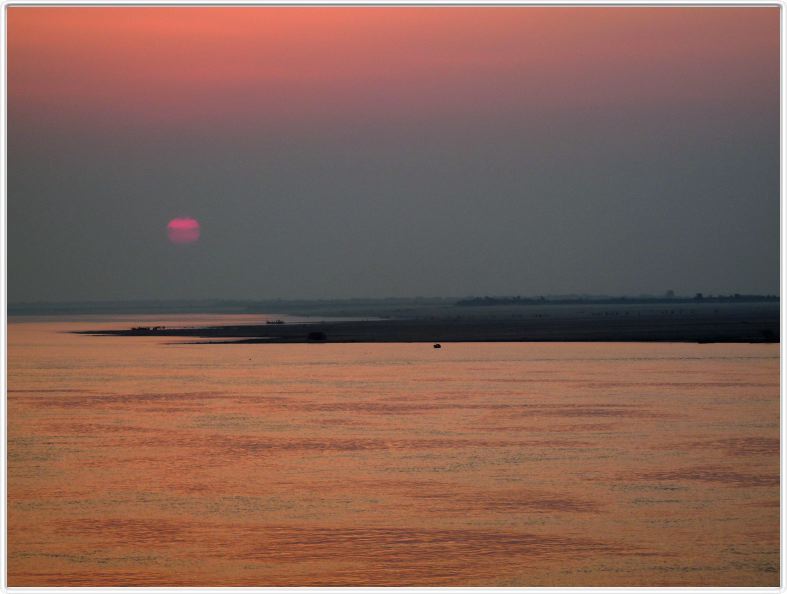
132	461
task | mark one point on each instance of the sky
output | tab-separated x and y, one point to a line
391	151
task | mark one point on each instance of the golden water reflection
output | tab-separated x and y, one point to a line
132	461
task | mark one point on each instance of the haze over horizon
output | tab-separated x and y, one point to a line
392	152
406	298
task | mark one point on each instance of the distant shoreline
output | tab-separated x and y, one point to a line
705	323
396	307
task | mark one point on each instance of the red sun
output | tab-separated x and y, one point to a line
183	230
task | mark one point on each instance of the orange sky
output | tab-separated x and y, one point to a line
173	66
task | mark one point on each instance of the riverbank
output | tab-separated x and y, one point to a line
722	323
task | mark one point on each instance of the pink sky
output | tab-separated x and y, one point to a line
245	66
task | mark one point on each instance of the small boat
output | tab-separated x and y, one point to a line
437	345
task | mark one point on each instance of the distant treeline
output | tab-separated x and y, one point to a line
359	306
698	298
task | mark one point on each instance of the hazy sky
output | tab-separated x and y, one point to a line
372	152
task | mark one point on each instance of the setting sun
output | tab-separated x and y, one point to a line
183	230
